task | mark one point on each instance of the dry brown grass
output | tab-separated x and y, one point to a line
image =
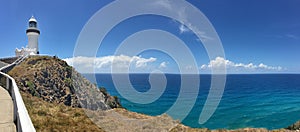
133	115
182	128
57	117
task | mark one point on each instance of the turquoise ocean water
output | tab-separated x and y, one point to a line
263	100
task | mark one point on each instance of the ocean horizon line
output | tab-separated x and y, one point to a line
202	73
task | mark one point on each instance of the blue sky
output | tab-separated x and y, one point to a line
257	35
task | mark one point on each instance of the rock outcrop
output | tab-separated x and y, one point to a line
295	126
55	81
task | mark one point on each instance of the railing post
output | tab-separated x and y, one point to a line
7	84
15	105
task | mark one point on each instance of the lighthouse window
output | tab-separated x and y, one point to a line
32	24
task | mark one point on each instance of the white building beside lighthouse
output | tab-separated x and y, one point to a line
33	34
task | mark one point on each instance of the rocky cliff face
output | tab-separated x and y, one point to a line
55	81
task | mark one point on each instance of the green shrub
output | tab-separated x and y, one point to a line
77	114
31	88
103	90
68	81
42	113
68	68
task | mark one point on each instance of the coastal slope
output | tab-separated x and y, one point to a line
55	81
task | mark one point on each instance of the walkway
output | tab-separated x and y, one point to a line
6	112
2	64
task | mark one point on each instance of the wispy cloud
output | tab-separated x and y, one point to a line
292	36
184	19
164	3
220	62
285	36
183	29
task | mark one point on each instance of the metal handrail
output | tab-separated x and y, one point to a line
21	116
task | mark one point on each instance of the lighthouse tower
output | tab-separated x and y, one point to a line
33	34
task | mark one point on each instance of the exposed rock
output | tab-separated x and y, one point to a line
55	81
295	126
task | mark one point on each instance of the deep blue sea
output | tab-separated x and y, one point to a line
254	100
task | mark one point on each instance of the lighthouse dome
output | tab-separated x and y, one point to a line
32	19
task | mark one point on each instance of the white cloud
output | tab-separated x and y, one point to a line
104	64
163	65
141	64
219	63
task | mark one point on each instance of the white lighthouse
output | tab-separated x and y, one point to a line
33	34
